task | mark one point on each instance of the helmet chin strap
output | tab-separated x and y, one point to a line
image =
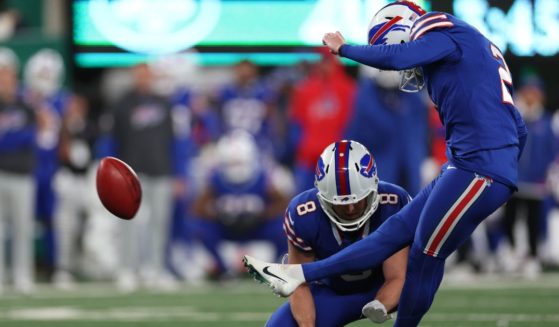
348	226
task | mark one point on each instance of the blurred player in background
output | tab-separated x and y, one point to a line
196	124
240	202
172	78
282	80
469	82
17	187
318	223
321	106
43	78
144	138
391	123
534	164
72	185
247	104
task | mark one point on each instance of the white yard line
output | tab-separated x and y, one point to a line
127	314
550	281
480	317
138	314
100	290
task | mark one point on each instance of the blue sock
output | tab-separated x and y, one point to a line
393	235
423	278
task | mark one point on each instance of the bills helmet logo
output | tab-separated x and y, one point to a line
368	166
319	171
378	34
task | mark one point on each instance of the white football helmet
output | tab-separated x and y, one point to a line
392	25
238	156
346	173
44	72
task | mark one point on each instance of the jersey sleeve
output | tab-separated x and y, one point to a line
429	22
424	47
426	50
295	231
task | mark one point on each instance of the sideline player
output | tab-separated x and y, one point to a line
470	84
240	202
347	203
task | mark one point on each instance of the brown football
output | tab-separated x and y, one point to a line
118	187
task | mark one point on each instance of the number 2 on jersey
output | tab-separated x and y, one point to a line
504	73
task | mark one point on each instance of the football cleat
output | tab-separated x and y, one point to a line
278	277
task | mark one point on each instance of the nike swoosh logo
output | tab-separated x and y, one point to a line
267	272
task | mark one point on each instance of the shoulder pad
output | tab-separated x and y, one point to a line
428	22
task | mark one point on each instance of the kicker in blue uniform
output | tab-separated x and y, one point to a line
469	82
443	46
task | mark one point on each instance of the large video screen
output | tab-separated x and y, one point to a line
276	32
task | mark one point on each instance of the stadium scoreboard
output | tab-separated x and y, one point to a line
278	32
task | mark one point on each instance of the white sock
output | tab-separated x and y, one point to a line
295	271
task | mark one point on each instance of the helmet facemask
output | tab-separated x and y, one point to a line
411	80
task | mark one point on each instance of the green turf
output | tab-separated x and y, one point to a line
481	303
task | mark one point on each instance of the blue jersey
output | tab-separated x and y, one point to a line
234	200
539	152
47	143
181	116
246	107
308	228
470	84
48	137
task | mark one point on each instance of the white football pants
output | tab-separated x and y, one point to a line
144	238
73	199
17	203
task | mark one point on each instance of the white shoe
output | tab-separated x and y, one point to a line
127	282
24	288
162	283
280	278
63	280
459	273
532	269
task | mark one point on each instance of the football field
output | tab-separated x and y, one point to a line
487	302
